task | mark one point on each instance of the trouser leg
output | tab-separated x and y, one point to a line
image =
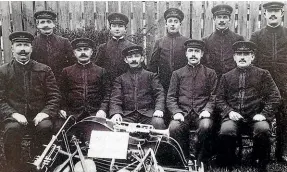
13	134
228	137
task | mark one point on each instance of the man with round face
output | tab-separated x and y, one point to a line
137	95
48	48
29	100
271	55
109	54
248	98
191	101
218	45
168	52
84	86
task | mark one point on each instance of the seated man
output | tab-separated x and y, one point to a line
191	100
84	85
137	95
29	98
248	99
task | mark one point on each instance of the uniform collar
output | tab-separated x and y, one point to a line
117	39
191	67
245	69
135	70
172	35
47	36
274	29
222	32
84	65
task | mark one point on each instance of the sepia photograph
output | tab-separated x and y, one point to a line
143	86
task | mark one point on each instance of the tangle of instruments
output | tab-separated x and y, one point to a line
149	150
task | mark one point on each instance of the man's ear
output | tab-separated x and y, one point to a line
125	59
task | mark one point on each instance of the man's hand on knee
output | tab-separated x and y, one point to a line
40	117
178	117
235	116
101	114
259	117
20	118
204	114
117	118
158	113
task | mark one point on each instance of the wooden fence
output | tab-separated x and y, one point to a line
145	17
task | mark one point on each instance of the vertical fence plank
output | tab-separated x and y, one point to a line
63	15
52	6
285	15
113	6
125	9
137	8
185	28
6	30
89	13
100	14
253	18
151	26
196	12
28	12
208	19
263	20
242	19
16	15
161	8
76	14
40	5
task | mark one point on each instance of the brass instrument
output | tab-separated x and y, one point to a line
140	128
44	159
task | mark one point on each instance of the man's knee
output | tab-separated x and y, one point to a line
261	128
174	126
158	123
205	125
228	128
45	126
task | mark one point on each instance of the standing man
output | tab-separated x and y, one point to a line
272	56
29	99
109	55
48	48
137	95
84	85
191	101
218	45
248	98
169	52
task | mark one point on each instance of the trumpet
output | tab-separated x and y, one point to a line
45	158
140	128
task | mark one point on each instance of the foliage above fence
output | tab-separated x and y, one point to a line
146	17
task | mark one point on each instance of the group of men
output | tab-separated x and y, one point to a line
186	84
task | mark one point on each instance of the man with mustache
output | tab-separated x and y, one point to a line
272	56
109	54
137	95
48	48
84	86
218	45
168	52
29	100
248	98
191	101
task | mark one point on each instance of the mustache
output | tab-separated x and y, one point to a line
23	52
273	16
83	55
134	62
45	28
193	57
242	60
222	23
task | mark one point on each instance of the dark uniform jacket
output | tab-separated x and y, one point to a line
54	51
28	89
137	90
218	53
192	89
109	56
272	54
248	92
84	88
168	55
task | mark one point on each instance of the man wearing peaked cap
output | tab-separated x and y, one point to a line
118	18
84	76
149	105
109	54
191	101
48	48
271	55
29	100
252	112
168	52
173	12
218	45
